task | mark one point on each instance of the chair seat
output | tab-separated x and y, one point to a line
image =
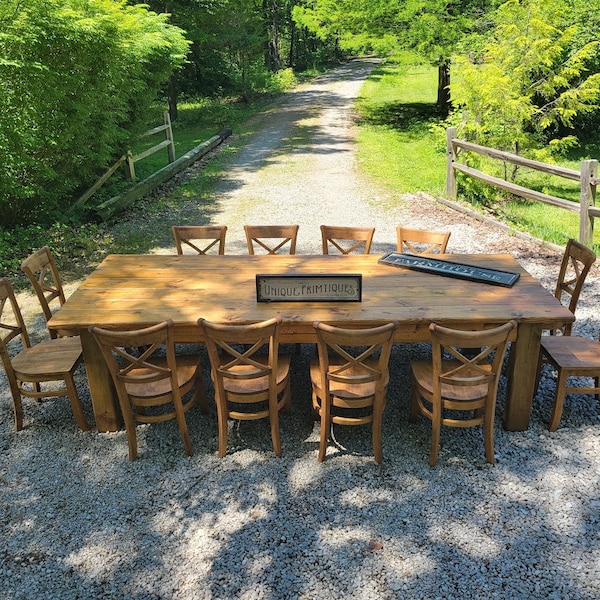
187	365
56	356
573	352
260	384
349	391
423	374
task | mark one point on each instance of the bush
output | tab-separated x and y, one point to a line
75	79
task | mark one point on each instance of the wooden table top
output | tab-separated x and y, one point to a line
132	291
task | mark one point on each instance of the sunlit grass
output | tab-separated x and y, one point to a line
400	148
396	108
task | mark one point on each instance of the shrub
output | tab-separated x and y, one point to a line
76	76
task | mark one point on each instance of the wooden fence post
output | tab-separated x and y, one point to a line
130	163
169	136
451	190
589	175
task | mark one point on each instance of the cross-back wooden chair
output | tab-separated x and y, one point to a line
422	241
350	378
150	387
27	366
346	239
571	356
200	238
271	238
249	383
574	268
467	382
42	272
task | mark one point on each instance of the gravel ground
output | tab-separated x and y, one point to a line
82	522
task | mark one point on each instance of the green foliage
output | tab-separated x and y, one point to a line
536	74
76	77
397	117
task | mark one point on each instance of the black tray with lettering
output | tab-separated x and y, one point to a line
450	269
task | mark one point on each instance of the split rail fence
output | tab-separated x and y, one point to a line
587	177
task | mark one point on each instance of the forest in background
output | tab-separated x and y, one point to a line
79	78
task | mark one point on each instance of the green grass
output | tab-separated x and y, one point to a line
396	109
402	147
197	121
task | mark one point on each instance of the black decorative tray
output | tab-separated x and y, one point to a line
450	269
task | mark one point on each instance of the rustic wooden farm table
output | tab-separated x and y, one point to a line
130	291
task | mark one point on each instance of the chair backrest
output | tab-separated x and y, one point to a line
575	266
127	355
454	366
200	238
233	350
346	239
354	357
41	271
271	238
422	241
145	373
12	326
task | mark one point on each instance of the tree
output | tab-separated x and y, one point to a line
537	72
76	78
433	28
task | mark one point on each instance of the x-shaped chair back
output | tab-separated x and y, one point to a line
462	377
150	385
422	241
575	266
41	271
200	238
251	379
351	374
346	240
271	238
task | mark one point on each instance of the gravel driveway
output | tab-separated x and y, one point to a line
82	522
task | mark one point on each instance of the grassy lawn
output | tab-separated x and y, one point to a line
396	109
402	146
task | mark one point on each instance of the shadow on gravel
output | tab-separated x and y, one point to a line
86	523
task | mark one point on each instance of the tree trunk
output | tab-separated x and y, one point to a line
172	97
443	95
273	58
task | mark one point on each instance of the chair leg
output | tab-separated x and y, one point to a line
183	428
222	417
488	436
436	426
131	436
17	407
325	431
377	443
274	421
559	400
76	404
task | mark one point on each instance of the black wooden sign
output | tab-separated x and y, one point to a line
450	269
342	287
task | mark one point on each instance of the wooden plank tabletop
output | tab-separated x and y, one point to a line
131	291
138	290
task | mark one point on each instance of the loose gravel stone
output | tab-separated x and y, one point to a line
80	521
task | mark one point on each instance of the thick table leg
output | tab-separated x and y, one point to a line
104	397
521	381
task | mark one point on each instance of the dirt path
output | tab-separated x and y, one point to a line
301	167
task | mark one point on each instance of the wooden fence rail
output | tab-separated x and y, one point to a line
167	143
587	177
